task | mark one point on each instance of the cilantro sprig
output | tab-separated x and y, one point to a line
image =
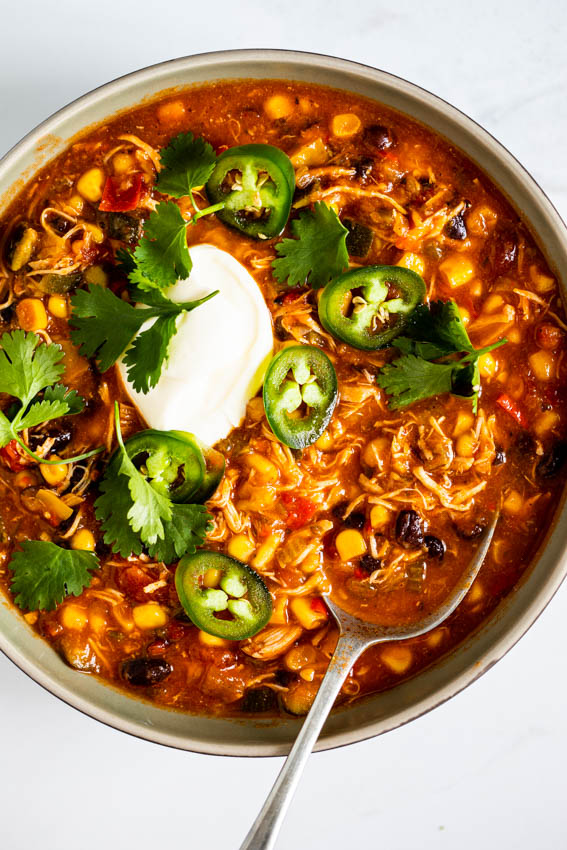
134	516
317	253
437	356
30	371
44	573
103	326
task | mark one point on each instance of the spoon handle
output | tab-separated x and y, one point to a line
265	829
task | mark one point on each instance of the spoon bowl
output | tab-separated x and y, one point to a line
355	636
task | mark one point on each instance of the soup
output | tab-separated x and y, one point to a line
381	367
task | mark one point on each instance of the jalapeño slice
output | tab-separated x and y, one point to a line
176	464
222	596
368	307
300	394
255	184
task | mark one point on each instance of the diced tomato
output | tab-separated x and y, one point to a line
12	458
318	605
510	406
123	197
359	574
156	648
133	580
221	149
293	294
299	510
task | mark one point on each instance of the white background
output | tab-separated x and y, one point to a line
489	768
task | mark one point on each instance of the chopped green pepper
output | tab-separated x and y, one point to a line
176	464
300	377
231	589
255	185
368	307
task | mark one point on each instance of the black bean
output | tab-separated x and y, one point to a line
435	547
502	249
284	678
61	438
369	564
469	532
379	137
363	167
339	510
499	457
257	700
355	520
409	530
456	227
525	443
552	461
145	671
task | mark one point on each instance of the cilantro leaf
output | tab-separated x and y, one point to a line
187	162
439	323
186	530
162	255
410	379
28	367
317	253
433	333
132	512
45	573
103	326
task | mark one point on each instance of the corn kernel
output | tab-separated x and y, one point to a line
171	112
278	106
31	617
31	314
466	444
397	658
95	231
514	335
546	422
299	657
25	479
83	539
457	270
73	617
240	547
465	421
122	163
96	275
379	516
97	622
307	674
266	551
465	316
475	594
543	364
212	640
57	306
513	504
76	203
123	616
307	616
54	506
377	452
480	220
267	472
347	124
279	611
311	155
325	442
435	638
350	544
493	303
54	473
411	261
212	577
90	184
150	615
475	288
541	282
487	365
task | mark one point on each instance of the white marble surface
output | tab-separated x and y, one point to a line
486	769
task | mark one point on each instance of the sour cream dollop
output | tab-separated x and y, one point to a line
219	354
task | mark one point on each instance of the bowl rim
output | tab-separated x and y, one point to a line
533	606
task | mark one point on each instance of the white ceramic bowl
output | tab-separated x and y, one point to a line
372	715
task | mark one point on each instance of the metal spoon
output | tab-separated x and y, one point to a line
354	637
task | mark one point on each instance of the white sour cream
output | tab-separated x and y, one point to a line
218	356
